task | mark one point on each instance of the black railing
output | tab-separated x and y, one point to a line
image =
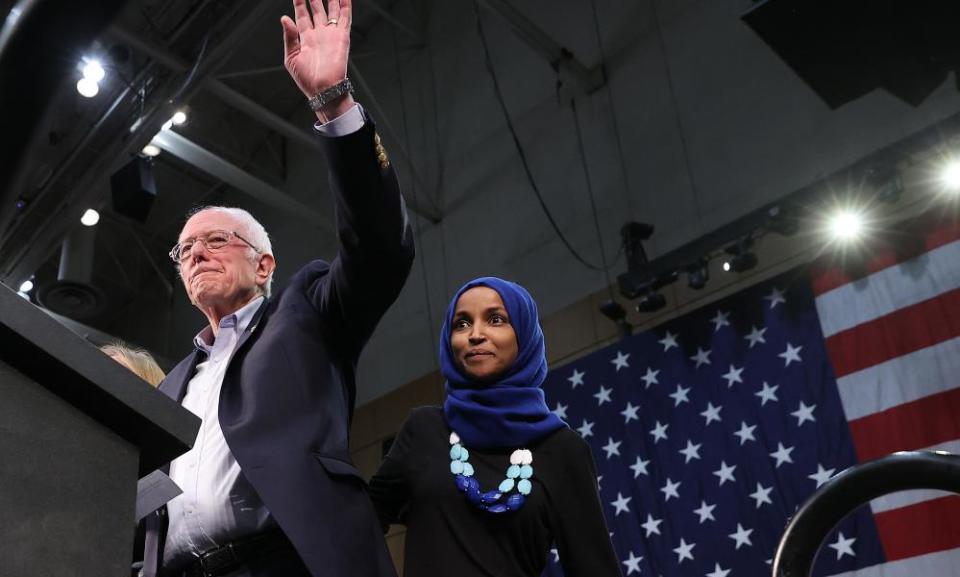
852	488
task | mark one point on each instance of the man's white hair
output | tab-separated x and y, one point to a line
252	231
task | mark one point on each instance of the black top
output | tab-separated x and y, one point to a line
449	536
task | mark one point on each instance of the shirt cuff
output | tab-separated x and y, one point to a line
347	123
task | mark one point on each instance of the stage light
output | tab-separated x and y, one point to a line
90	217
93	71
741	258
846	224
151	150
651	302
698	274
179	117
950	176
87	88
26	286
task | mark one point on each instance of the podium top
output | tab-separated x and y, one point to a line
67	365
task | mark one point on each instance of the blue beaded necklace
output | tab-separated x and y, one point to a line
499	500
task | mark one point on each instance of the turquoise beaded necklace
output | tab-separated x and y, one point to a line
501	499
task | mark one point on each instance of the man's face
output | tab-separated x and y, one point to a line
224	279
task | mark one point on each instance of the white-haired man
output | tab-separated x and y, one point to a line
268	488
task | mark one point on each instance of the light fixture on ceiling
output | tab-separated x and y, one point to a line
741	257
90	217
87	88
846	224
26	286
151	150
698	274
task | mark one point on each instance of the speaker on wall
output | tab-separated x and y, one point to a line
133	189
843	50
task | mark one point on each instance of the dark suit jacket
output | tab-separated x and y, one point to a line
288	395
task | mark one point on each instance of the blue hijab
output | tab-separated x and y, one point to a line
511	412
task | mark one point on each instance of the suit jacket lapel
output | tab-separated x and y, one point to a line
254	323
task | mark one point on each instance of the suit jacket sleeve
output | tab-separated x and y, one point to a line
376	241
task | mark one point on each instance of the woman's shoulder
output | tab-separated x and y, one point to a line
428	417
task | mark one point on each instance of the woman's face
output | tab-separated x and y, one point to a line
483	340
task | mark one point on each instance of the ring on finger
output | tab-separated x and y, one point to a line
332	22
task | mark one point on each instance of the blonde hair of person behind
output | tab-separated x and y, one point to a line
139	361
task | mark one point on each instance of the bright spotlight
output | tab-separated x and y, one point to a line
26	286
90	217
87	87
94	71
179	117
151	150
846	224
727	266
950	177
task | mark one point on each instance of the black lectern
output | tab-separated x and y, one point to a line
76	432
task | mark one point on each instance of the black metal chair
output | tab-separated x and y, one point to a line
852	488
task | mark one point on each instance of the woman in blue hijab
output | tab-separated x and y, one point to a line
490	482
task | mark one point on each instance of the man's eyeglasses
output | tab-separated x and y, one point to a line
212	241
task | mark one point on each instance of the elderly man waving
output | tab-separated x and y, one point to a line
268	488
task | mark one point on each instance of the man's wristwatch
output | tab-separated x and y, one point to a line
330	94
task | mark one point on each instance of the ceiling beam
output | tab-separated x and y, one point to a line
219	168
259	112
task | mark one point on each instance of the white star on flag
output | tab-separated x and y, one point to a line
775	297
733	376
742	536
725	472
782	455
650	378
762	495
705	512
791	354
691	451
621	361
843	546
561	411
712	414
621	504
632	563
670	489
745	433
630	413
640	467
603	396
804	414
717	571
612	448
680	395
586	429
756	336
822	475
767	394
659	432
720	320
576	379
702	357
684	551
669	341
651	525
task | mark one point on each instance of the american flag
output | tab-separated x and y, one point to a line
710	430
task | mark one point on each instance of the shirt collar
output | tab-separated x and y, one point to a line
238	321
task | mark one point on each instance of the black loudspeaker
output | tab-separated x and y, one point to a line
847	48
133	189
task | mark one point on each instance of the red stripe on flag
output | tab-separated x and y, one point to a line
887	252
919	529
901	332
910	426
